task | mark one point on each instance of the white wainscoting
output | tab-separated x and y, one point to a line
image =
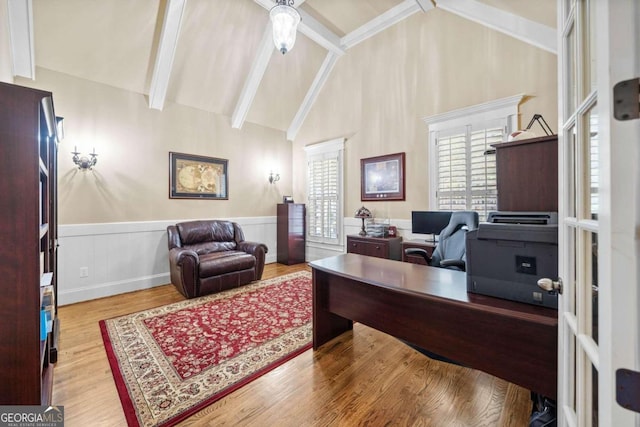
125	257
129	256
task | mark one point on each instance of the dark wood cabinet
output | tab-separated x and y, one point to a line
28	226
381	247
420	244
291	233
527	174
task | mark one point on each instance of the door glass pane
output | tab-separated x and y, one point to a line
570	46
573	378
594	396
573	173
590	28
592	163
573	272
594	285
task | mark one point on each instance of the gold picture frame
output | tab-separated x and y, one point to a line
198	177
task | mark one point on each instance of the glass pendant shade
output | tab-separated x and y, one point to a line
285	21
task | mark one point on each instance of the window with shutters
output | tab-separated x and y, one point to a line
462	159
466	166
324	192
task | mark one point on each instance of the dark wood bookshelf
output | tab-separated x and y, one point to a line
28	260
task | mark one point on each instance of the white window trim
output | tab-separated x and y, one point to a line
331	146
473	115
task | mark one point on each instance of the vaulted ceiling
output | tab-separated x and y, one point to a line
218	56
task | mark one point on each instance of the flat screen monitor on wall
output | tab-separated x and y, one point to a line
429	222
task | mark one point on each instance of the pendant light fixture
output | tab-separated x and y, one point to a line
285	20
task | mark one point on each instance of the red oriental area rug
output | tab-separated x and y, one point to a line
170	362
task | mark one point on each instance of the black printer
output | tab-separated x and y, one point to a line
509	253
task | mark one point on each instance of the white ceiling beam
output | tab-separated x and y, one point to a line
381	23
320	34
319	81
516	26
251	84
21	38
425	5
166	52
311	28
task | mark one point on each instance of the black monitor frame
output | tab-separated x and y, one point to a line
429	222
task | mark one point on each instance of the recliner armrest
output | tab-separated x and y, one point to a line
184	266
258	250
252	247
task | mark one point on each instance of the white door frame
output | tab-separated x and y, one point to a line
617	227
619	46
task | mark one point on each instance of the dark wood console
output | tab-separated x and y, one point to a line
527	174
380	247
420	244
431	308
291	233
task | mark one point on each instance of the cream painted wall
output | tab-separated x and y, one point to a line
380	91
130	181
6	74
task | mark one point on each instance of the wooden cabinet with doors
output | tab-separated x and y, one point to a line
527	174
291	231
28	226
381	247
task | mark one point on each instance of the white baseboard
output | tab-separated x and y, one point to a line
108	289
126	257
130	256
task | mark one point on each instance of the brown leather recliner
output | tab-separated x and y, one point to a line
211	256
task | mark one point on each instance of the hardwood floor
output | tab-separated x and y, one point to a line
363	377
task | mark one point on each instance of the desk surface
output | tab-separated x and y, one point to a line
432	282
431	308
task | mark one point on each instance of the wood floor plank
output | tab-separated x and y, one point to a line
363	377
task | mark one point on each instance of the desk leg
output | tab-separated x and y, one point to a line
326	325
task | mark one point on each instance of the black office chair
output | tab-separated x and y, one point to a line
450	251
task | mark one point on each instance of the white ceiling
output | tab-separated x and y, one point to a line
217	55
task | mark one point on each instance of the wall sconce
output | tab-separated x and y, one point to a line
83	162
273	177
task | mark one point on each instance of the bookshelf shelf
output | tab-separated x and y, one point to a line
28	259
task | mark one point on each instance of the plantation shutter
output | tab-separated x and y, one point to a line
452	172
323	205
466	172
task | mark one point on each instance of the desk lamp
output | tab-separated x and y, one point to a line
363	213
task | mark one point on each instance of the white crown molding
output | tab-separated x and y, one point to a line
516	26
329	146
312	94
21	38
504	106
251	84
166	52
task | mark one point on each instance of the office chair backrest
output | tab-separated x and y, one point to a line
451	245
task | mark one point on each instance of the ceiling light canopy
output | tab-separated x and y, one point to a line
285	21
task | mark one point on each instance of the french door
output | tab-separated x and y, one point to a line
599	211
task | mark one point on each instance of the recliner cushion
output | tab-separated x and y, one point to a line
208	247
194	232
217	263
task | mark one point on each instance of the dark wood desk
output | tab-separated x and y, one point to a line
430	307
